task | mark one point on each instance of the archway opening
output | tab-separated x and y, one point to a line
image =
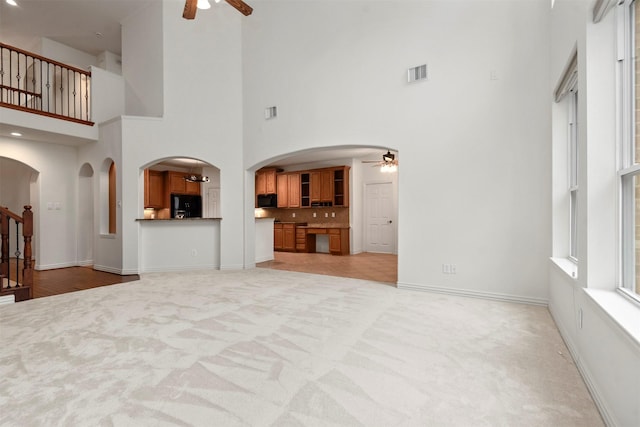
340	213
169	183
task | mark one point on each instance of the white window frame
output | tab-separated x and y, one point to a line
572	168
628	169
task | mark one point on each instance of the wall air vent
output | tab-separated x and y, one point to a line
270	113
416	74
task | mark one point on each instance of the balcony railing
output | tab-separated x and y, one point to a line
30	82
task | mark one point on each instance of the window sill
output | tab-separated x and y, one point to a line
569	267
624	312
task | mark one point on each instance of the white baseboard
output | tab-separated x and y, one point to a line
119	271
474	294
7	299
264	259
85	263
179	268
585	372
40	267
232	267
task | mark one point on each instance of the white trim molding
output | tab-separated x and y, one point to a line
474	294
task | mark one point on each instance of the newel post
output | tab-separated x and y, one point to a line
27	232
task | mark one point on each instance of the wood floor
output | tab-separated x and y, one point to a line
368	266
63	280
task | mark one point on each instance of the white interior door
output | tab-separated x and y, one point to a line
379	226
213	203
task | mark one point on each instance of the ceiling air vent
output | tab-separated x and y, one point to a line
416	74
270	113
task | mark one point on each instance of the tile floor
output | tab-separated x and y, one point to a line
368	266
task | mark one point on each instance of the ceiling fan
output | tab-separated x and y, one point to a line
387	164
191	6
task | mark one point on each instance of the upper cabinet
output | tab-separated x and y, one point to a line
312	188
177	184
341	186
154	189
266	181
288	186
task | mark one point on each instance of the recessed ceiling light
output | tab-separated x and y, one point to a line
16	134
12	2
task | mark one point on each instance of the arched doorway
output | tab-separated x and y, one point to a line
361	215
17	189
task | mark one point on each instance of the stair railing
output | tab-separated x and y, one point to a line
12	282
33	83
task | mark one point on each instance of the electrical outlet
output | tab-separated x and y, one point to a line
326	214
314	214
293	214
333	214
449	269
194	252
579	318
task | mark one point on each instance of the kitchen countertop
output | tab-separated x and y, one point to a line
178	219
326	225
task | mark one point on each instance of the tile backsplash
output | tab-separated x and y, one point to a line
323	215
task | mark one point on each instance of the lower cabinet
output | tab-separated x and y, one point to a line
301	240
339	241
284	237
278	238
289	237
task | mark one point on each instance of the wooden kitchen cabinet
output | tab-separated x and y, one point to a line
278	237
266	181
294	190
154	195
301	240
341	186
284	237
283	190
289	237
288	190
321	186
178	185
339	241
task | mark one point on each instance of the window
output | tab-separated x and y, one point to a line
629	165
573	173
566	165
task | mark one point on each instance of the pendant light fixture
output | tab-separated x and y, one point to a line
191	177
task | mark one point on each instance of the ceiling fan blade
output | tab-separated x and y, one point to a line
244	8
190	9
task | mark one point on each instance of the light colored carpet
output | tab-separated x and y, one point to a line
276	348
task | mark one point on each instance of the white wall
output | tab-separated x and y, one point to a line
54	229
107	95
142	61
201	103
67	55
475	154
179	245
606	353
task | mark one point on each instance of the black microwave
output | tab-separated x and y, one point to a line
267	200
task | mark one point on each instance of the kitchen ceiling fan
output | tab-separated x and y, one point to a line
389	163
191	6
